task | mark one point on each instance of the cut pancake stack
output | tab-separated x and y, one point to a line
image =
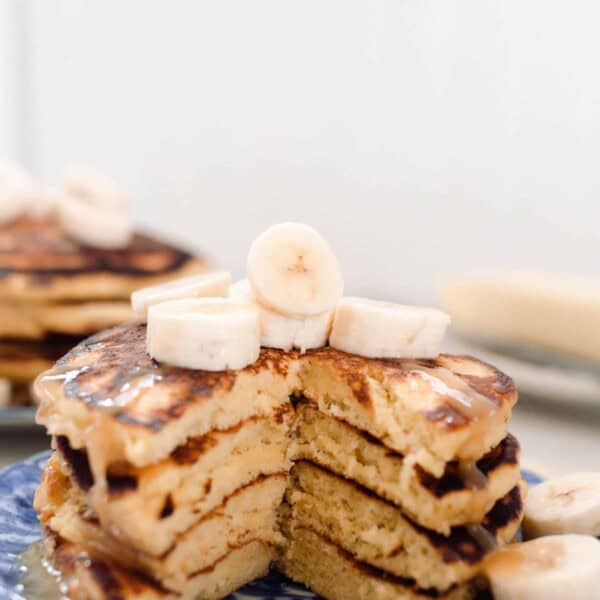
359	477
55	291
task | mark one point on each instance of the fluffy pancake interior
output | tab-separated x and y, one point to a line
379	533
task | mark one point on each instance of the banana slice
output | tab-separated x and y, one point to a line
569	504
94	187
16	188
92	224
384	330
293	271
196	286
550	568
212	334
278	331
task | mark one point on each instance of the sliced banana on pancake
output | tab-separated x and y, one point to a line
16	188
91	185
552	568
211	334
92	208
197	286
94	225
569	504
279	331
293	271
384	330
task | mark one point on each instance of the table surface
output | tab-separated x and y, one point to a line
553	440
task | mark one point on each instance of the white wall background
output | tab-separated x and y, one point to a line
422	137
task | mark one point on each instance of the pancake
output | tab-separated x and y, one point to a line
39	263
109	396
436	503
362	478
434	411
195	480
22	361
331	572
377	532
87	575
36	321
247	515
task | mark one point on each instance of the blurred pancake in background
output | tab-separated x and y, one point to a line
69	262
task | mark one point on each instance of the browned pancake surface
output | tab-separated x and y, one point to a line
40	263
40	247
110	360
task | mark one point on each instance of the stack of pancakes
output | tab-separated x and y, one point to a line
360	478
54	292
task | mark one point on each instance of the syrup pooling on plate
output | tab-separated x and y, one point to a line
39	579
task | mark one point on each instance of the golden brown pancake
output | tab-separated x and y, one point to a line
22	361
39	263
436	503
401	403
87	575
335	574
36	321
399	475
248	514
379	533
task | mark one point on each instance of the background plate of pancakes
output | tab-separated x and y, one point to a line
54	292
19	528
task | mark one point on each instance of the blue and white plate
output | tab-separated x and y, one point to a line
19	528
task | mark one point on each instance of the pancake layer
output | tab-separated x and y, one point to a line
39	263
377	532
329	571
436	503
35	321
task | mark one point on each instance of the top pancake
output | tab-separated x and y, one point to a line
39	263
420	408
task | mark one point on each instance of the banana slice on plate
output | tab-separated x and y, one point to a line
279	331
91	185
569	504
384	330
212	334
550	568
197	286
293	271
16	190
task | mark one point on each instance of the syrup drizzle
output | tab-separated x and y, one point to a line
472	476
486	540
141	380
460	395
